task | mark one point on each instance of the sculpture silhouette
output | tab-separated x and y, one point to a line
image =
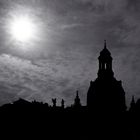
132	105
54	102
63	103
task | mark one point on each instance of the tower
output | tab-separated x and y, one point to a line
77	102
106	93
105	63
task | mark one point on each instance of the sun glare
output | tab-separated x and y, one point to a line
22	29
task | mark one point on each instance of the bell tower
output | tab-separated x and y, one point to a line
106	94
105	63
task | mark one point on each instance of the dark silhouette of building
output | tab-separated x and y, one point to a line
21	102
77	102
106	93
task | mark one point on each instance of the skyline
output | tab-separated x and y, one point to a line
62	57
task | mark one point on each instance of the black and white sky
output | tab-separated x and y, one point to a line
63	56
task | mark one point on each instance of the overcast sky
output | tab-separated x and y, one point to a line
63	56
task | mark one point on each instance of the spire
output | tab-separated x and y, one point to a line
77	94
77	102
104	44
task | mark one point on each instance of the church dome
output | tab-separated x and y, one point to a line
105	53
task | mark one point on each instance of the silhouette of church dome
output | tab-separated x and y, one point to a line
106	93
105	63
105	53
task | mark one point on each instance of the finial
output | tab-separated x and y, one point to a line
105	44
77	93
133	98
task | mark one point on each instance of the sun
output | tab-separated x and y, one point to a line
22	29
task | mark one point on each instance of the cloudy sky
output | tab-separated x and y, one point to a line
62	57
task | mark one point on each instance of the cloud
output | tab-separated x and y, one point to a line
65	59
41	80
69	26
